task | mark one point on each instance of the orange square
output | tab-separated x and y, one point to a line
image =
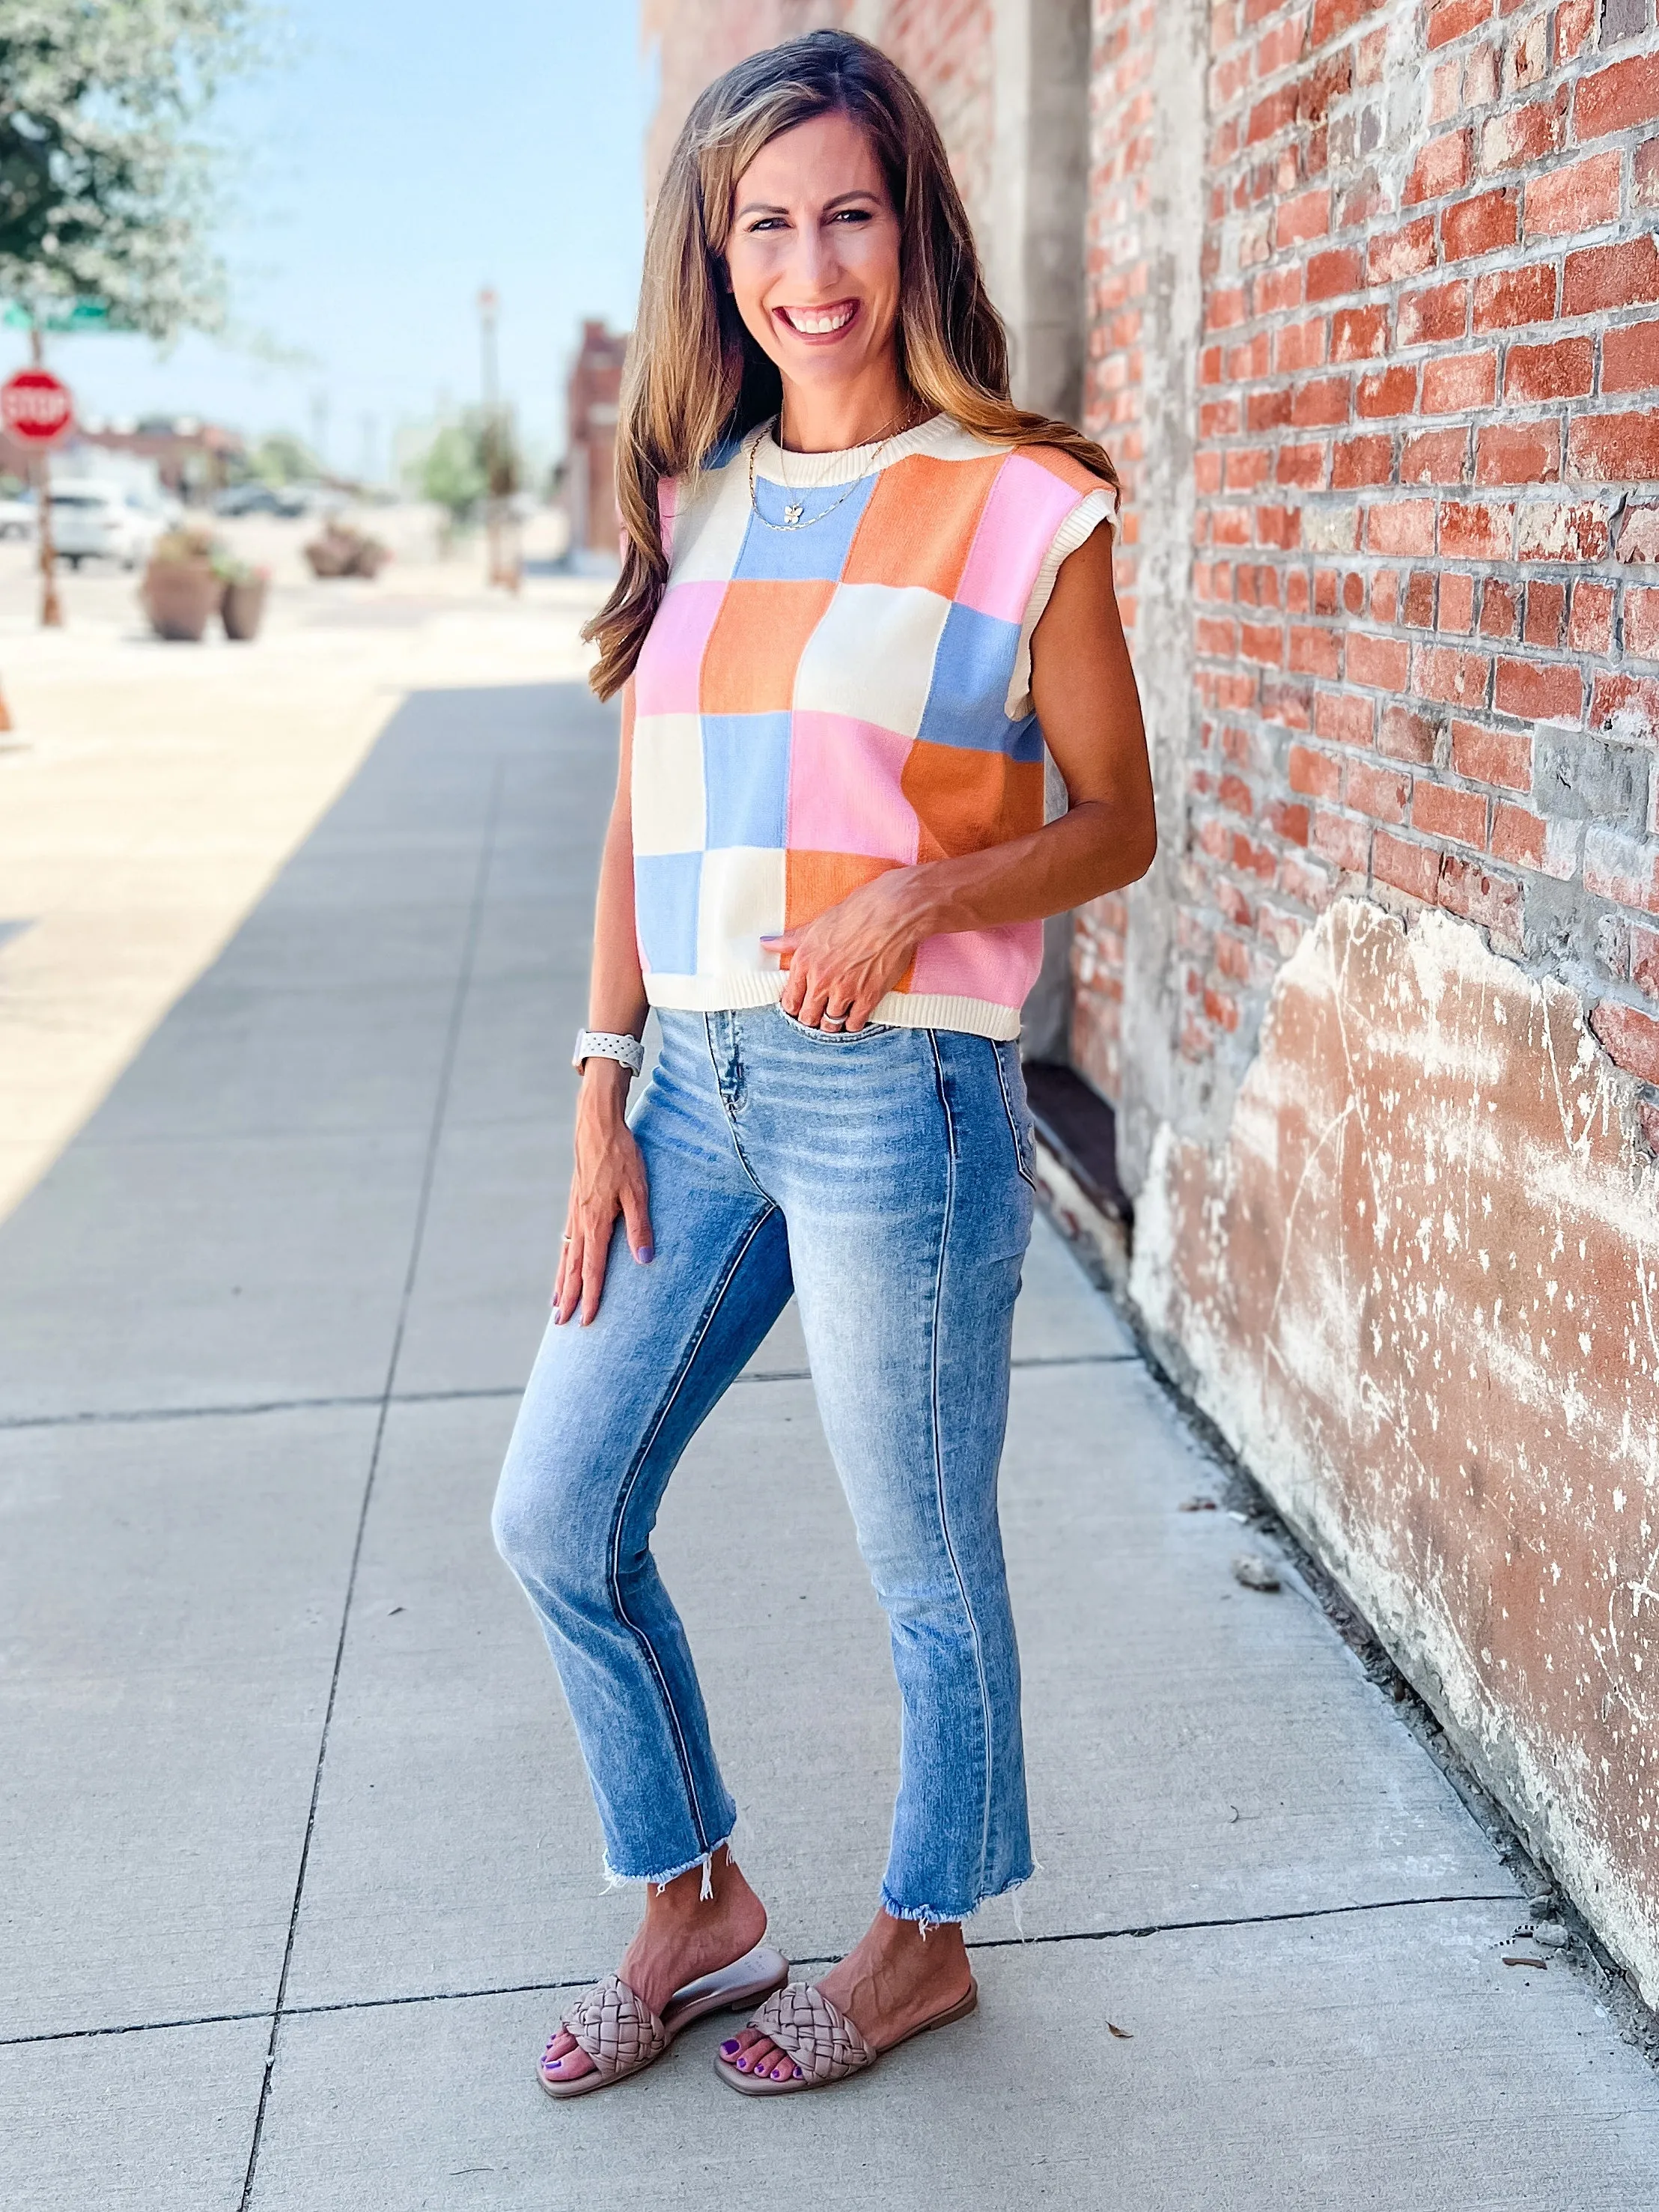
754	646
920	522
966	799
814	882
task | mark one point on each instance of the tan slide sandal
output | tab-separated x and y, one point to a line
823	2043
623	2036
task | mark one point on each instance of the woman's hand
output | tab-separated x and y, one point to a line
609	1180
845	963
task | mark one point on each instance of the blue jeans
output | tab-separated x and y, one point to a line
885	1177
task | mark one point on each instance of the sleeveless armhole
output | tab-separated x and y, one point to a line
1080	523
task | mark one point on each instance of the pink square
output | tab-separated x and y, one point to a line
666	678
844	789
1027	505
998	965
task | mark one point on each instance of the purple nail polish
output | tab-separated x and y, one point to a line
742	2065
797	2072
729	2047
645	1253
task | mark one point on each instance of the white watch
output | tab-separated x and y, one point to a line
606	1044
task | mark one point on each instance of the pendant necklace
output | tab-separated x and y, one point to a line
794	514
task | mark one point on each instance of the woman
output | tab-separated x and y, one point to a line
861	589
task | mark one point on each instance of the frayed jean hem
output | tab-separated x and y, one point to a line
930	1916
660	1881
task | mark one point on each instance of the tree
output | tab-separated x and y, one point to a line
105	190
452	470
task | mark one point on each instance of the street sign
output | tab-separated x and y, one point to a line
59	320
35	406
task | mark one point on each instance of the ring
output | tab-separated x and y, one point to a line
833	1021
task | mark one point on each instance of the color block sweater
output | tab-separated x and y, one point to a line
813	706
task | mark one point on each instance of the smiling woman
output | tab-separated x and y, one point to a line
862	592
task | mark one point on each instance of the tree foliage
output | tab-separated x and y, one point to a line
106	190
452	473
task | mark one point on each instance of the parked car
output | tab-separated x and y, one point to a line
256	498
93	521
16	518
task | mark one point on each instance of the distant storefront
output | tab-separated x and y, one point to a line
594	392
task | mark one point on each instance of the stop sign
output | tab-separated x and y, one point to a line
35	406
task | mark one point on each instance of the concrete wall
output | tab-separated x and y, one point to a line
1369	321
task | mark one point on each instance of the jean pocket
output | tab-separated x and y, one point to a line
1021	1127
838	1037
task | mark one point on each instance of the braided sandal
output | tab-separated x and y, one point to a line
823	2043
622	2035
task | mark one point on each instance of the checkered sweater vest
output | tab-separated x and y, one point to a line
813	706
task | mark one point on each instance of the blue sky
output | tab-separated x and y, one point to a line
402	154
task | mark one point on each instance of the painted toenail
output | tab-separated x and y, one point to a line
728	2048
797	2072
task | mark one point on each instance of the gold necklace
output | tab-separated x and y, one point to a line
795	518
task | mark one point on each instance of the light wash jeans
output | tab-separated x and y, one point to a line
885	1177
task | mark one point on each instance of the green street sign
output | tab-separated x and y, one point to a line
78	315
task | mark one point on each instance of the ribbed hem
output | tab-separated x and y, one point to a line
899	1010
939	435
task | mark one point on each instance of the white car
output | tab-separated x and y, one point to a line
101	522
16	518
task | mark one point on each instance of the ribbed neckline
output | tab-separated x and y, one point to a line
806	471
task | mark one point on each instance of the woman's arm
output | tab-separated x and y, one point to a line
610	1174
1084	690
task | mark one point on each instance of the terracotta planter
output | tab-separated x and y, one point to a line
179	596
242	608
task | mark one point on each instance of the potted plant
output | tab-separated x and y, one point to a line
343	550
181	589
243	605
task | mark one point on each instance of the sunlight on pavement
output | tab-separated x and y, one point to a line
151	793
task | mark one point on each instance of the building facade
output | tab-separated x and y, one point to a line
591	395
1363	296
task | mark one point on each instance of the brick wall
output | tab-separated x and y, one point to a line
1424	608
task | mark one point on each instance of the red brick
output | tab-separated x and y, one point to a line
1441	166
1271	116
1224	309
1403	525
1319	403
1385	594
1604	277
1378	791
1493	902
1459	380
1332	17
1499	607
1561	202
1383	663
1275	289
1642	624
1498	756
1358	333
1314	652
1453	19
1280	526
1343	718
1362	461
1647	172
1476	533
1287	821
1614	449
1307	215
1512	296
1301	465
1299	345
1246	467
1575	27
1639	533
1630	1037
1480	225
1589	628
1619	98
1399	253
1261	641
1446	672
1562	370
1414	869
1457	602
1434	457
1387	391
1235	795
1440	812
1644	961
1539	690
1432	316
1561	529
1546	614
1518	836
1218	638
1269	411
1315	775
1630	357
1419	599
1330	275
1406	735
1628	704
1518	453
1341	840
1523	135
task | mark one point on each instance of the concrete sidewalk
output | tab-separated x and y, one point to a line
286	1776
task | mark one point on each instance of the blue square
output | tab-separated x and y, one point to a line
745	773
816	551
972	669
665	910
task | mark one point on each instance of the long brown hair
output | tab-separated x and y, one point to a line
693	376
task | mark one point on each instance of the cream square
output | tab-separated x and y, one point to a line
740	900
708	537
871	656
666	790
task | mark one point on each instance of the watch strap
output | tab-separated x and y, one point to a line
609	1044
